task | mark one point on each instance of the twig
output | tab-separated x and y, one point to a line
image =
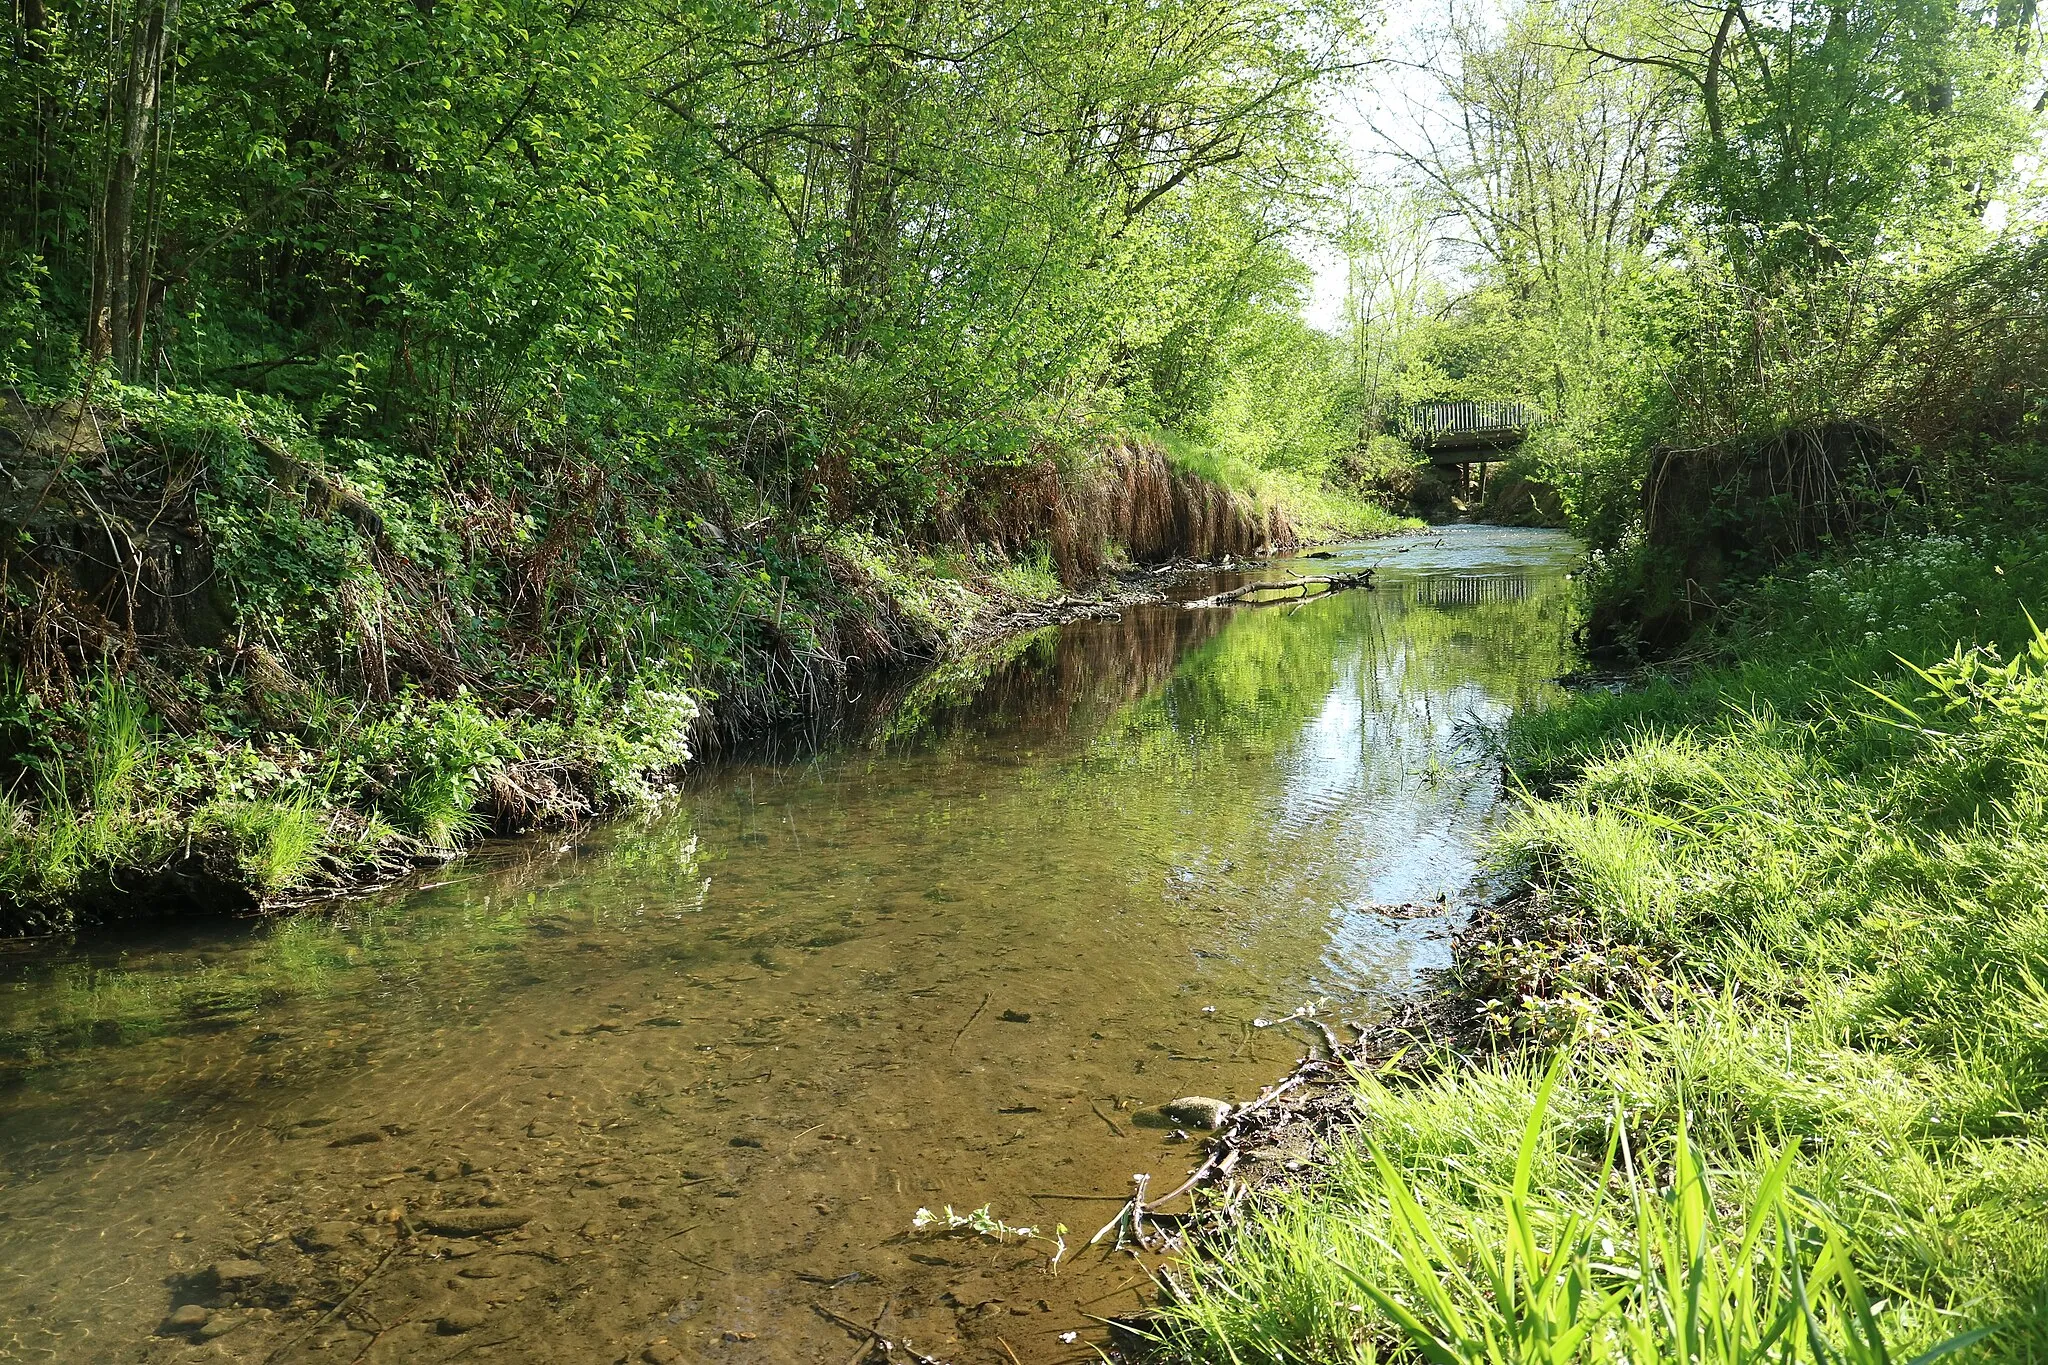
1106	1119
1122	1216
857	1328
1336	582
342	1303
875	1338
1223	1152
1134	1281
1139	1182
1092	1198
875	1331
970	1022
1329	1038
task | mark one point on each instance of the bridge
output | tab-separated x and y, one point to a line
1476	430
1469	432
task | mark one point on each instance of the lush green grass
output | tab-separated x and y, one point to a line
1317	508
1789	931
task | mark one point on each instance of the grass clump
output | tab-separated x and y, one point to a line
1788	918
276	843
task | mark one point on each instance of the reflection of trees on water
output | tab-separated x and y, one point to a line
415	951
1051	684
1270	671
1167	734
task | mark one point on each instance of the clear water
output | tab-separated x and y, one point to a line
722	1055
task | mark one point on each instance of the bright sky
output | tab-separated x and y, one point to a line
1381	105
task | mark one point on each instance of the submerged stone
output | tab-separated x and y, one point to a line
323	1237
1196	1111
474	1222
228	1274
456	1321
188	1317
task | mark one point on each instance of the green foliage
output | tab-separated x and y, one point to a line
426	760
779	241
276	843
1831	132
1693	226
477	385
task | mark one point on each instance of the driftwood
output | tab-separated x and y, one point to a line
1297	588
1314	1094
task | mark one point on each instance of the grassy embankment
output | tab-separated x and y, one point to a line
326	661
1786	940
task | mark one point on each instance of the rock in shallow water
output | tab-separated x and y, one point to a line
1196	1111
186	1318
456	1321
323	1237
474	1222
231	1274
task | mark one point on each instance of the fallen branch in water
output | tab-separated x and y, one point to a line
1295	588
343	1302
875	1340
1322	1029
1223	1150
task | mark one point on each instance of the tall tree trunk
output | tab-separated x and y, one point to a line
32	47
113	324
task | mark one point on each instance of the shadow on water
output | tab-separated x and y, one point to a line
718	1057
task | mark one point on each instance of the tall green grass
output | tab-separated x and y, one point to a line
1605	1262
86	808
1788	922
1312	500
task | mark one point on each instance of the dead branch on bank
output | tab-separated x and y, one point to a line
1295	589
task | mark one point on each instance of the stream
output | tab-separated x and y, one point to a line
712	1061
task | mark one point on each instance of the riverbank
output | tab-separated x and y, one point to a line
248	666
1763	1015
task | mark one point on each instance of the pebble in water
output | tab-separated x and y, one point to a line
325	1237
186	1318
1197	1111
456	1321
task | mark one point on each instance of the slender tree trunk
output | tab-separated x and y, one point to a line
32	46
114	325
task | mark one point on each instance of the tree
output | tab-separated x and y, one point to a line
1831	129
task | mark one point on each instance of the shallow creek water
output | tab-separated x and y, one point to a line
722	1055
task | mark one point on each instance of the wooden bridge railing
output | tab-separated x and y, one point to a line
1470	424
